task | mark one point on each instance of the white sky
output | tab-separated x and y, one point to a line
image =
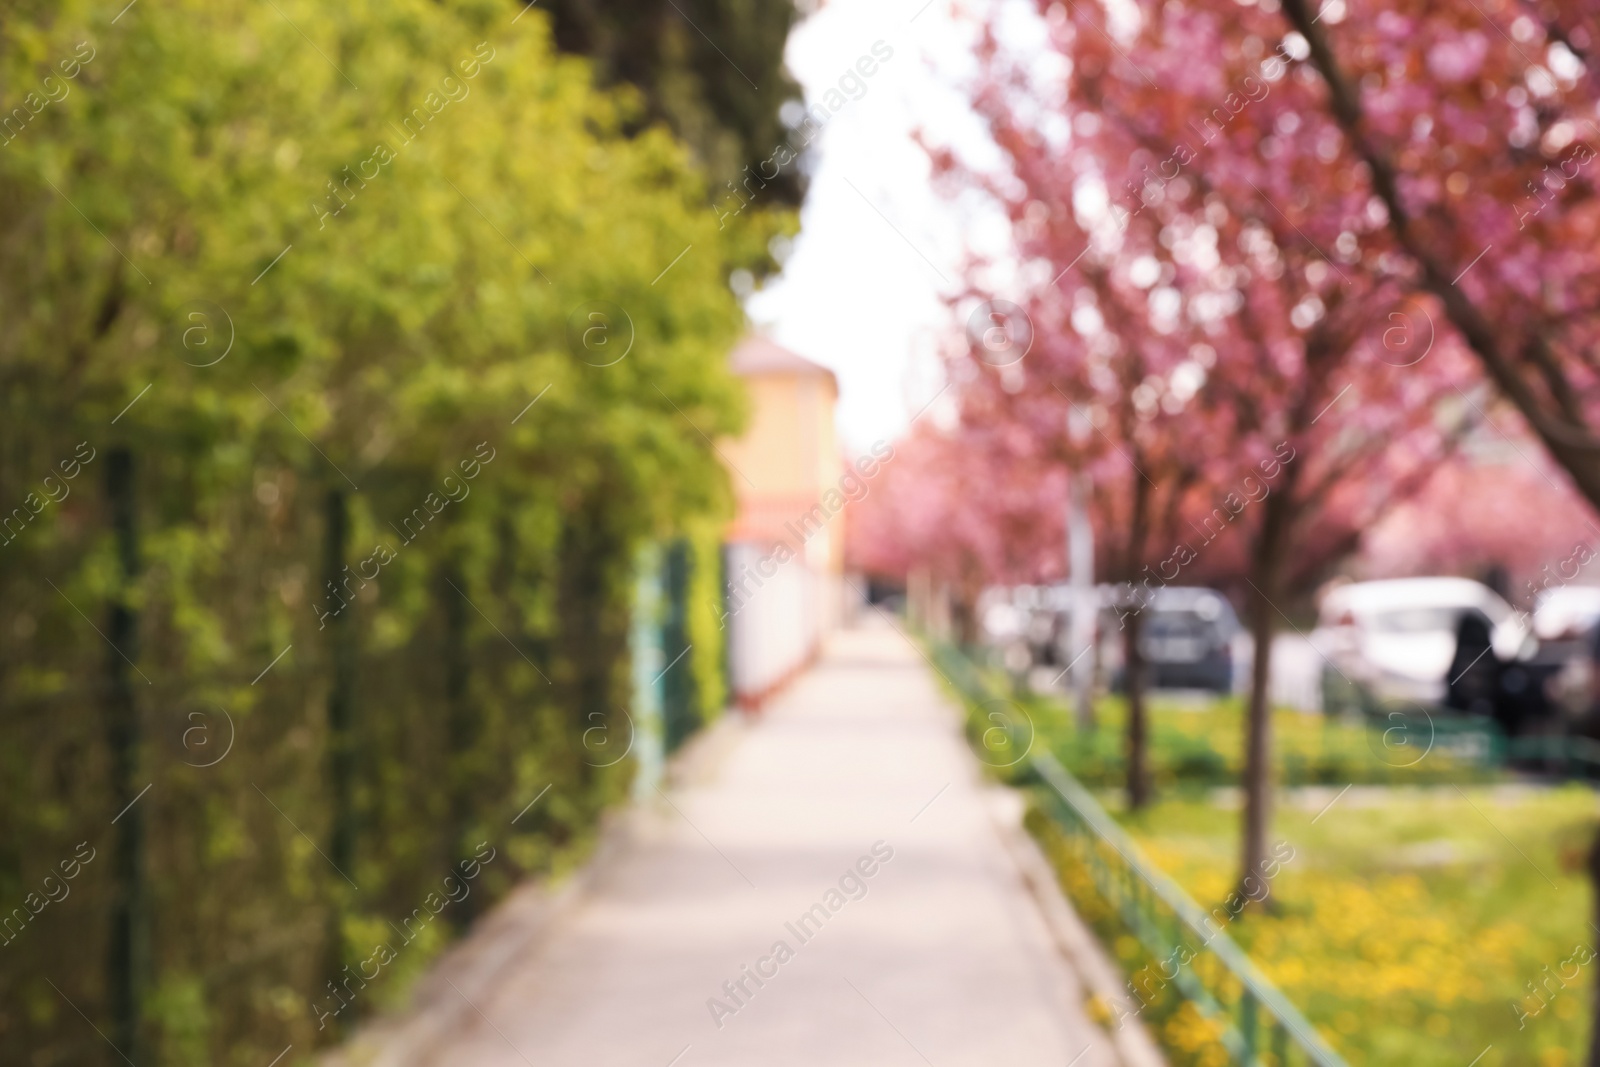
855	295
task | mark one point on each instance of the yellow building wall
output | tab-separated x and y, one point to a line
786	460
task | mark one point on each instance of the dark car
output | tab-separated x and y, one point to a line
1186	640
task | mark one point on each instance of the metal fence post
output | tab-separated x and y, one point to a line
644	642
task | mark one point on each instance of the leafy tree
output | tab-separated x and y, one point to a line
713	69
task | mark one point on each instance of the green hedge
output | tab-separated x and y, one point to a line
301	780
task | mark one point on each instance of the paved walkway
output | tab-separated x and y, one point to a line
938	956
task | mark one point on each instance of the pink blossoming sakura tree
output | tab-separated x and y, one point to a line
1100	390
1213	254
1512	509
1473	130
1474	126
970	508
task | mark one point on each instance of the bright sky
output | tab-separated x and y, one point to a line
861	291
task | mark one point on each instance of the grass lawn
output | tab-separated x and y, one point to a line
1437	913
1200	745
1411	921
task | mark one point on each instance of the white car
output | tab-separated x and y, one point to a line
1566	612
1398	637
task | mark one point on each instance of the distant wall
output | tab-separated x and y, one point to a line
774	615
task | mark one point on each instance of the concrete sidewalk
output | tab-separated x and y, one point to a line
842	850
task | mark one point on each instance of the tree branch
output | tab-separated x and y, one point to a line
1574	446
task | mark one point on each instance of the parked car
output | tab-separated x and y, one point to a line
1396	638
1186	640
1564	621
1566	613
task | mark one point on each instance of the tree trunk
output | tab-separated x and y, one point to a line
964	616
1268	557
1138	727
1133	656
1080	577
128	956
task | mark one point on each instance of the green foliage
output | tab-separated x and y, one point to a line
712	68
707	630
241	179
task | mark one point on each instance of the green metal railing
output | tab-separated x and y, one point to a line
1192	955
1258	1023
1471	739
1575	757
1479	741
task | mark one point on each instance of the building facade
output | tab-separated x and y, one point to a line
784	550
